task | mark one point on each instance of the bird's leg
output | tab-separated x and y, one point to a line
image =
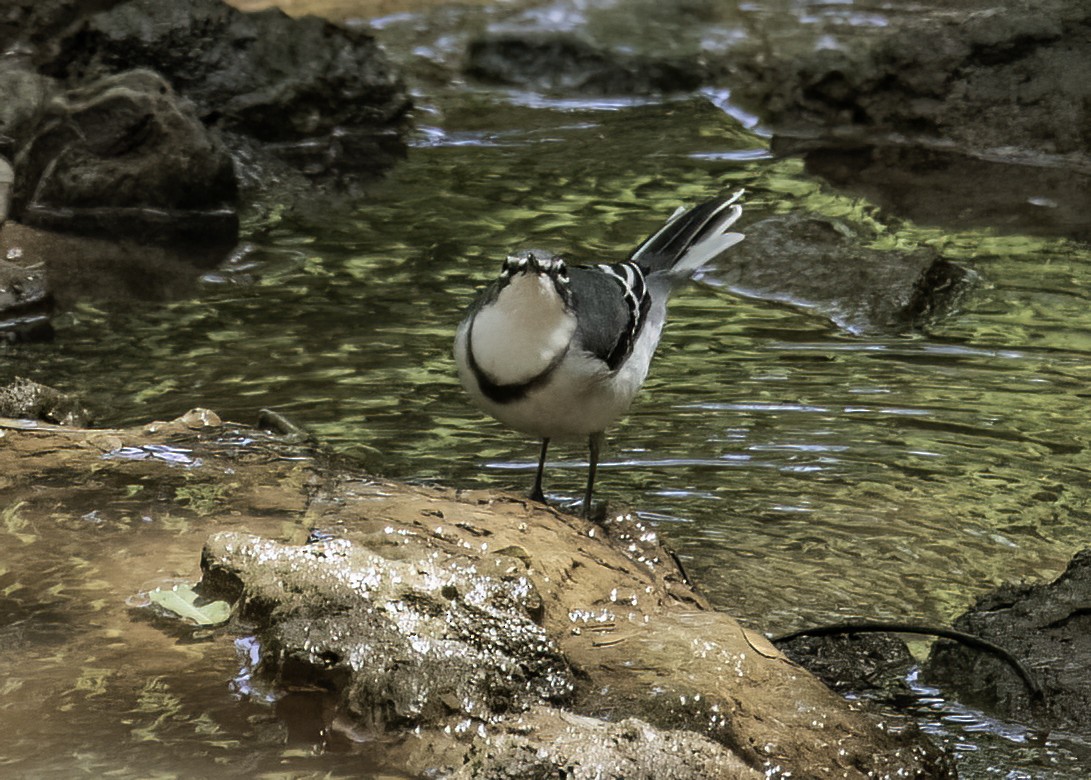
536	493
594	444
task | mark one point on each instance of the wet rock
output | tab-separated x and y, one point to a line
471	613
320	95
26	303
125	156
98	269
550	744
25	399
965	115
1008	191
824	266
1047	626
414	641
566	62
556	614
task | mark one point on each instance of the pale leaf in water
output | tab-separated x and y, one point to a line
181	600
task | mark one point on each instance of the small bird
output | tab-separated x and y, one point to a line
557	351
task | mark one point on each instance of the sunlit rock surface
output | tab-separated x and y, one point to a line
469	633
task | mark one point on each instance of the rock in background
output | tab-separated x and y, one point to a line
320	96
966	114
125	156
825	266
149	125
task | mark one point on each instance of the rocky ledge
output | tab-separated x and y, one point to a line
133	133
469	634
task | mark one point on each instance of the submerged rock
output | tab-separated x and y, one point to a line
1048	627
26	302
99	269
862	663
822	266
125	157
26	399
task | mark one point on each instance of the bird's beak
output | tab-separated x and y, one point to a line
533	265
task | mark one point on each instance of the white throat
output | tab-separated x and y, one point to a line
518	336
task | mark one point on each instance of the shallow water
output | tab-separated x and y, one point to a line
804	474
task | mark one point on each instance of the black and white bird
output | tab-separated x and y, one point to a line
559	352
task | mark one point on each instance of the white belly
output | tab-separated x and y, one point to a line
581	397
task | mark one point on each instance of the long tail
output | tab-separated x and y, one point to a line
691	238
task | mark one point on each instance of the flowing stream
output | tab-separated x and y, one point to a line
804	474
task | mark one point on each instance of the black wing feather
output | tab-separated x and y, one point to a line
611	302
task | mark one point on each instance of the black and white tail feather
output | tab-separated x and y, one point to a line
692	238
558	352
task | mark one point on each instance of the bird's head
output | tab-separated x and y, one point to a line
535	272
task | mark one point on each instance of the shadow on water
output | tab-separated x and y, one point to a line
804	475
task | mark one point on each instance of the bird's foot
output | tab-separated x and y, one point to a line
596	514
537	495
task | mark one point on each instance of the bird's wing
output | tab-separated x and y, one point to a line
611	302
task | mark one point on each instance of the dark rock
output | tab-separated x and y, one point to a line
824	266
1047	626
565	62
934	186
982	113
25	96
36	25
30	400
26	303
125	156
319	94
7	183
981	76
